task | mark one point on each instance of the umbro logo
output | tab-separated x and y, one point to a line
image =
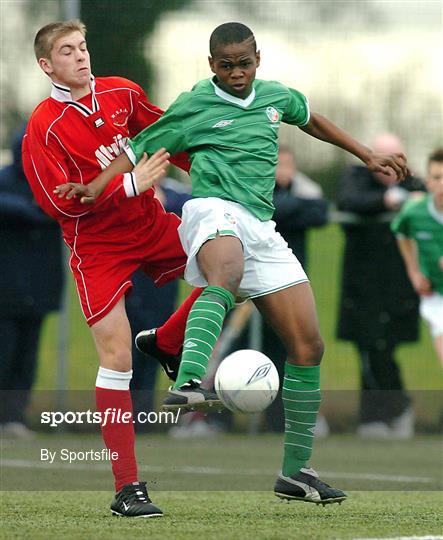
190	344
259	373
223	123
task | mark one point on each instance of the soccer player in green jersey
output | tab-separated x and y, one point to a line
419	231
229	125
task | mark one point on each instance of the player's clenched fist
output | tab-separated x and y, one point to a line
386	163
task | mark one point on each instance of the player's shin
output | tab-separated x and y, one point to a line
113	400
170	336
203	328
301	401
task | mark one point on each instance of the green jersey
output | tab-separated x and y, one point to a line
421	221
232	142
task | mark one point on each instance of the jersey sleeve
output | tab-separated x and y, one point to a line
400	225
145	114
297	109
46	166
166	132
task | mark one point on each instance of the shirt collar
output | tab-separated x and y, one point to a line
233	99
62	93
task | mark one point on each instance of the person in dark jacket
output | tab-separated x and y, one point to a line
31	281
299	204
378	307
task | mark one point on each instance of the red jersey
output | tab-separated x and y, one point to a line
73	141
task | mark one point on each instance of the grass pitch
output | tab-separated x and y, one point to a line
221	488
222	516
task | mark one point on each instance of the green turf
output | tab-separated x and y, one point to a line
228	462
221	516
221	488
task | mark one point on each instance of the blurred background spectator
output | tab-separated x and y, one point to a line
149	306
299	204
31	281
419	232
378	307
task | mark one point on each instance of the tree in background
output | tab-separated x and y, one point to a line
117	33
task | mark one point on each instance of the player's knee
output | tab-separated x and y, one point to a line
316	350
308	353
117	358
228	275
233	281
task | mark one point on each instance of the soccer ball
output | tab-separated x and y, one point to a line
246	381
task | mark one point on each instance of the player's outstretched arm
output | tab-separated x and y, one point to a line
143	176
325	130
90	192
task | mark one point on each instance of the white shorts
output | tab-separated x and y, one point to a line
431	309
269	263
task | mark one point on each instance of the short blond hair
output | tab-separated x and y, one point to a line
48	35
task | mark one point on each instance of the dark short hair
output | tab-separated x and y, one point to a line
231	32
437	155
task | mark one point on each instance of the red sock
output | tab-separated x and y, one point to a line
118	436
170	336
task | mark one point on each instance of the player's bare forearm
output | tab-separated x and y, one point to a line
408	251
119	165
325	130
143	177
88	193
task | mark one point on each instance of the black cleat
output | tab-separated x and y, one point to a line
146	343
190	397
306	486
133	501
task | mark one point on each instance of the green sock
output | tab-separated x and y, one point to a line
203	328
301	400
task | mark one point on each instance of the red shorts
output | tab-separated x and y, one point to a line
103	267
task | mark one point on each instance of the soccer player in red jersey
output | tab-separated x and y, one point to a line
71	136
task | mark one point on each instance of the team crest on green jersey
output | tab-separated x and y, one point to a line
272	114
